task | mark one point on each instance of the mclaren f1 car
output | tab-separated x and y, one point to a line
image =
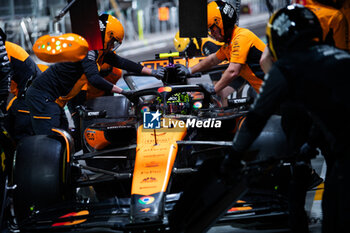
151	163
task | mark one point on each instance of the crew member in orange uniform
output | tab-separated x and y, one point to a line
242	49
345	9
333	22
203	47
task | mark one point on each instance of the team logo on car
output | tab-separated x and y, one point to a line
145	200
149	180
151	120
145	210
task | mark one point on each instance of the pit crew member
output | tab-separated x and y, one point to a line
307	76
65	79
25	70
242	49
5	72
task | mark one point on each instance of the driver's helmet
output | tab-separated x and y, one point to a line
112	31
192	46
178	103
293	26
224	16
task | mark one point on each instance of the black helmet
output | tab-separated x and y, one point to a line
293	26
224	16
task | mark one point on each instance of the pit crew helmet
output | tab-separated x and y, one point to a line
224	16
192	46
112	31
291	27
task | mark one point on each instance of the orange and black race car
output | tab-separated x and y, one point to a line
151	163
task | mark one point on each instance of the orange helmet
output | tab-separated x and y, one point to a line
224	16
112	31
181	44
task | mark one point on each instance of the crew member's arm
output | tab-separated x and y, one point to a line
205	64
339	31
125	64
266	60
273	92
228	76
116	89
93	76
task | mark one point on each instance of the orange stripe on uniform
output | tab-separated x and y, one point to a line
24	111
10	103
42	118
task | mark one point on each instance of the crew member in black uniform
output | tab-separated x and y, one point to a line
24	70
65	79
308	76
15	79
5	72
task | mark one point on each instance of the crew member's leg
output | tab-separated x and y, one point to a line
45	113
18	121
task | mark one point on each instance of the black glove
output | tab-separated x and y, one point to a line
159	73
208	87
182	70
307	152
128	94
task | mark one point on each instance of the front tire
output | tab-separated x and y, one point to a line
41	174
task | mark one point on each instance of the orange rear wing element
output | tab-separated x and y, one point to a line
68	47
